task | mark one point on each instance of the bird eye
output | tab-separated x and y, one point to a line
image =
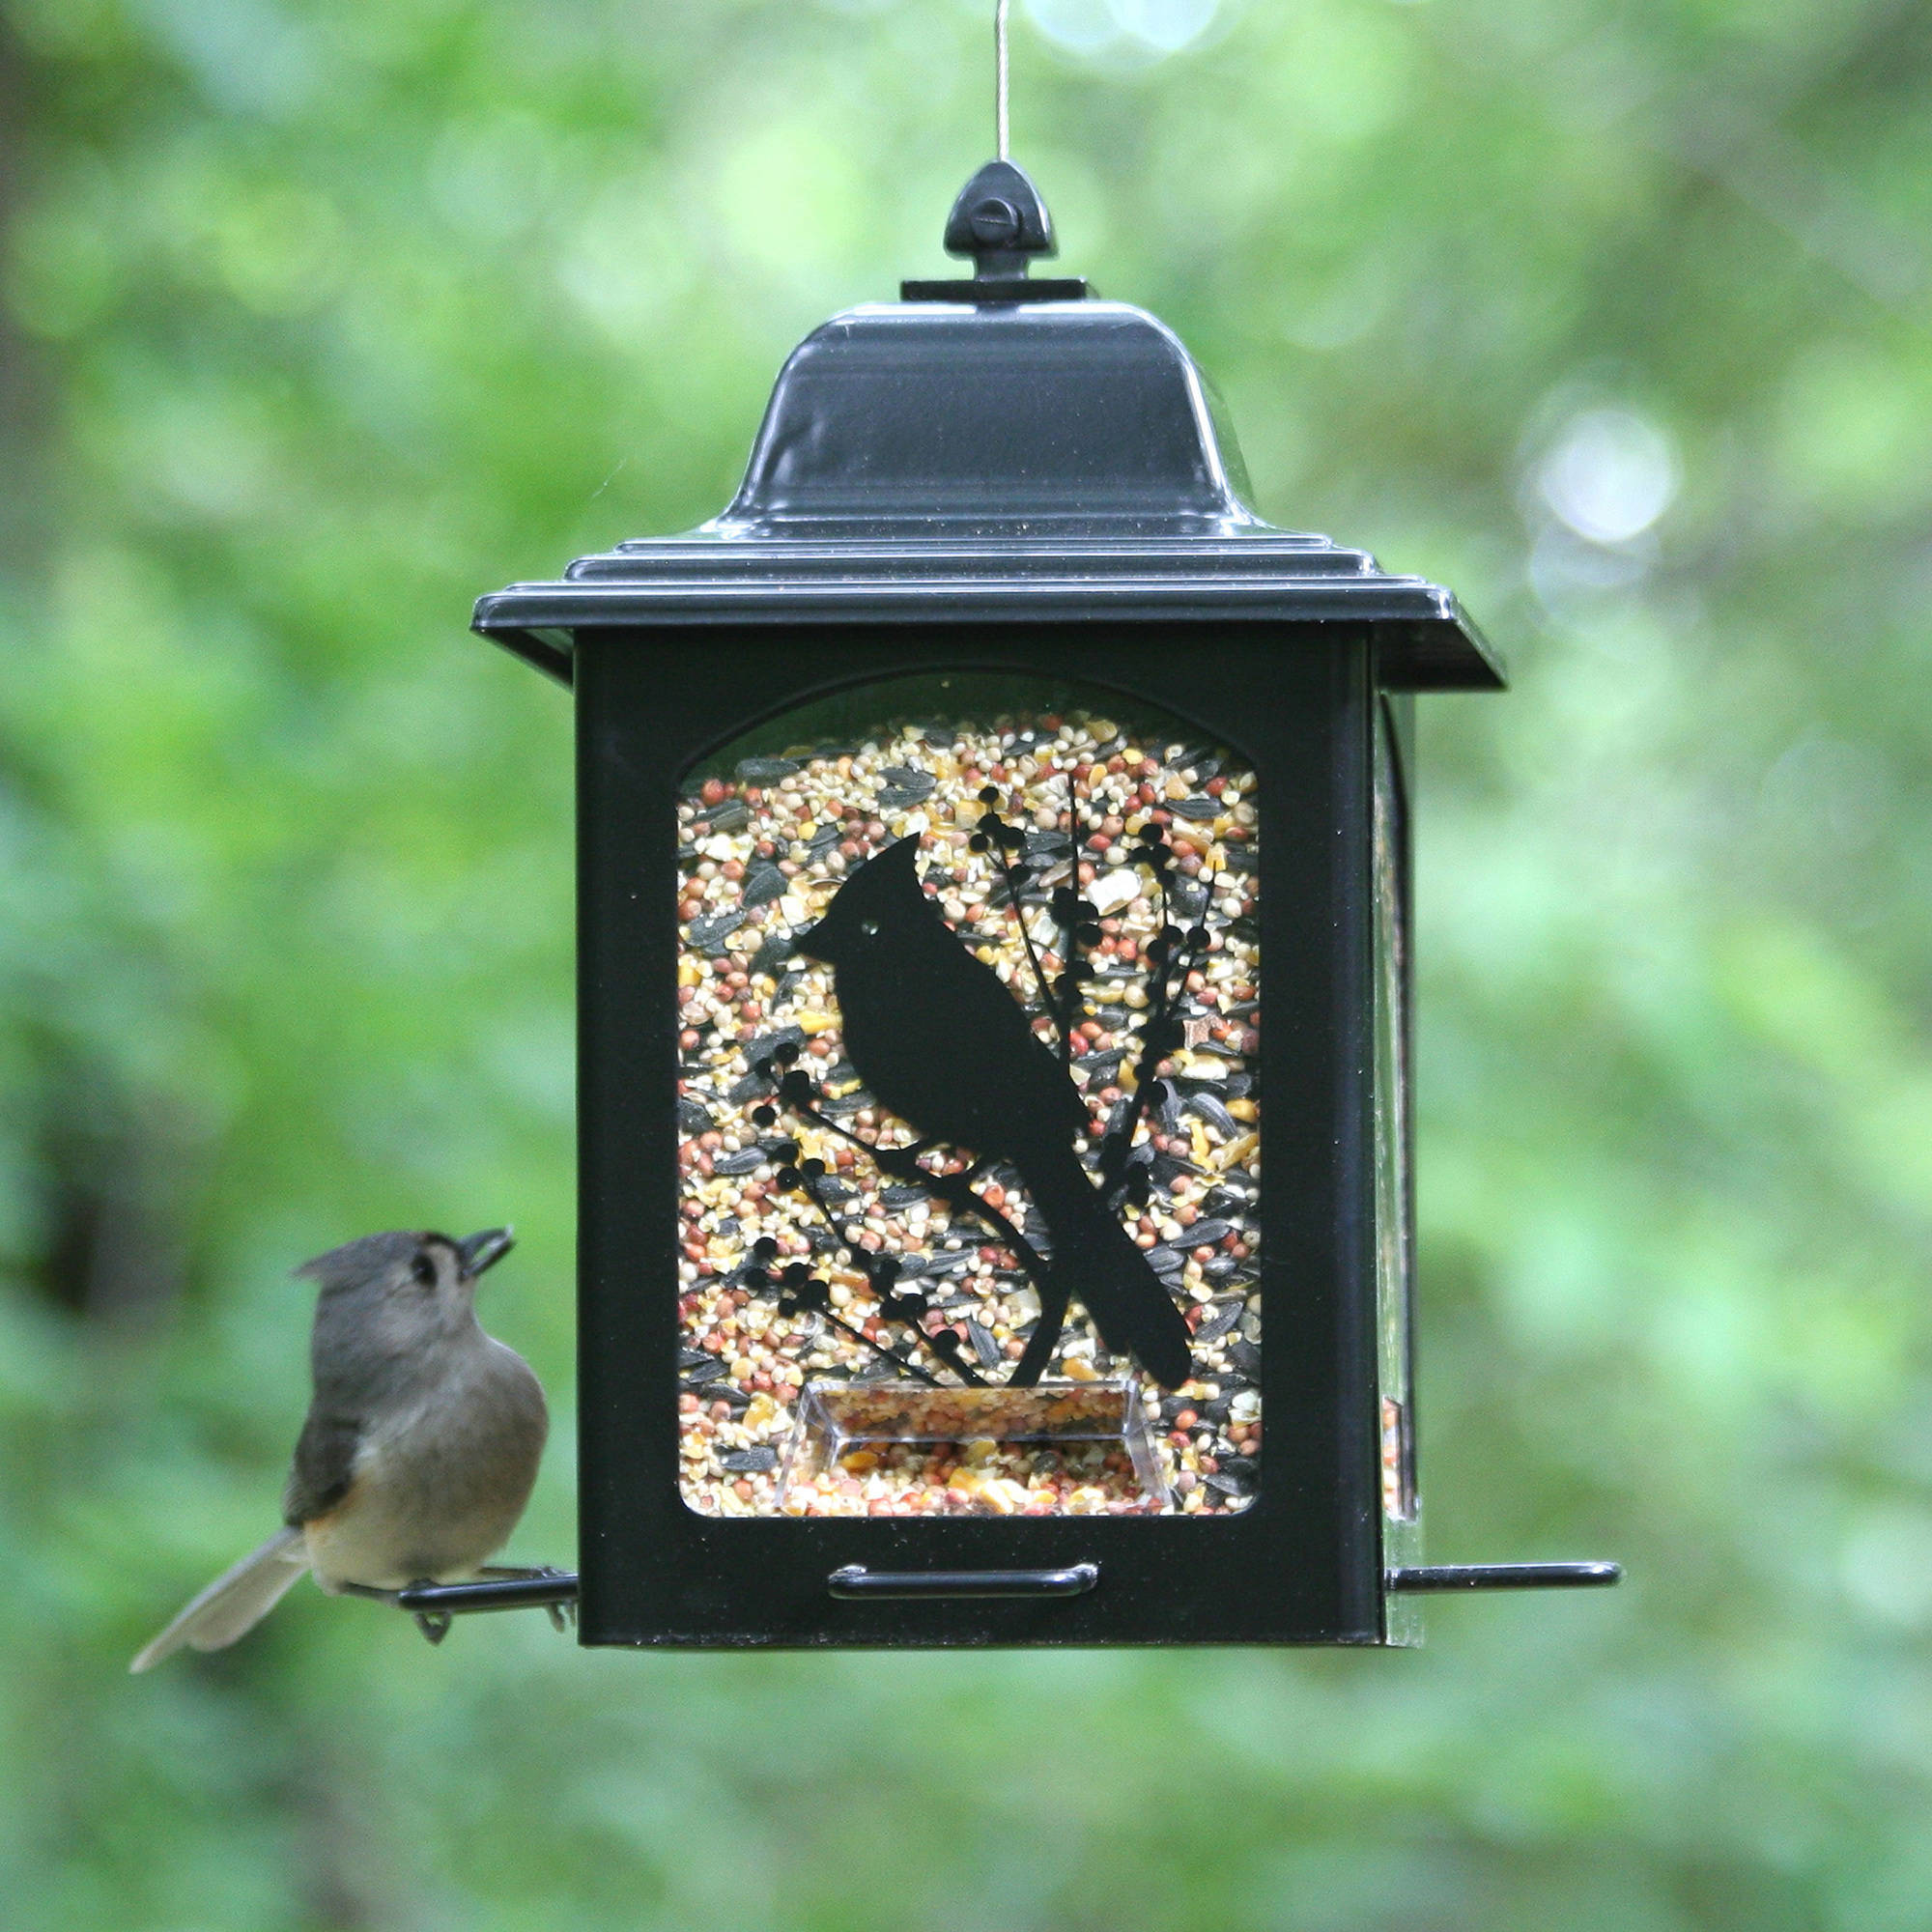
424	1270
869	928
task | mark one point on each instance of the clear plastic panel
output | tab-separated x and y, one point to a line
1394	1264
970	1106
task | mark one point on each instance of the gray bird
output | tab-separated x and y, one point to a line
421	1447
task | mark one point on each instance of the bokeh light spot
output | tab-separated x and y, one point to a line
1611	474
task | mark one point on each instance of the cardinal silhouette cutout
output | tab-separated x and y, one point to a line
937	1038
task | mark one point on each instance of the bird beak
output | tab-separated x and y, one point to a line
484	1250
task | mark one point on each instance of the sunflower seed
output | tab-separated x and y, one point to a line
765	771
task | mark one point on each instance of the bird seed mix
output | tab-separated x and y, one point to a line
821	1261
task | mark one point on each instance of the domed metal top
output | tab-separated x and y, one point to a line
995	449
1010	420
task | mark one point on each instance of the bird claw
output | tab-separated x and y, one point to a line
562	1616
368	1590
434	1624
901	1163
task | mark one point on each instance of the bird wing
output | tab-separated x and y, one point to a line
938	1036
324	1465
1025	1070
994	1027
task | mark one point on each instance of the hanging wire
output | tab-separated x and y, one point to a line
1000	76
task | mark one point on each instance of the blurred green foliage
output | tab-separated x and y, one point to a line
319	317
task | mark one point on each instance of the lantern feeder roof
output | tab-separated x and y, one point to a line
997	449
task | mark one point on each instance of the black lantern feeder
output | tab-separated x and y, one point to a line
994	1006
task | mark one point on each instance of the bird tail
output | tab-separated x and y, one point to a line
237	1601
1095	1261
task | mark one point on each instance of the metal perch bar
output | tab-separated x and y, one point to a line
1447	1577
556	1590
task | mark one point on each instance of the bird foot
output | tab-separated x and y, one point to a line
562	1616
434	1624
368	1590
901	1163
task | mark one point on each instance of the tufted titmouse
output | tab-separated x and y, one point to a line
421	1442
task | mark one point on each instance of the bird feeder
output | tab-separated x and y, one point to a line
994	999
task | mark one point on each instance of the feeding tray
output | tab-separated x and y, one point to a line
900	1449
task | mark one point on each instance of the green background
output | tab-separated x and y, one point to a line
319	317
